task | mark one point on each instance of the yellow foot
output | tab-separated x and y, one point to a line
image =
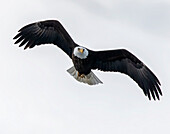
81	75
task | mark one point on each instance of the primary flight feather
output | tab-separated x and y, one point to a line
84	60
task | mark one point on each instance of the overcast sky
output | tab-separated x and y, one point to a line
38	96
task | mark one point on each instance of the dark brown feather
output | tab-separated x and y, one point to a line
125	62
45	32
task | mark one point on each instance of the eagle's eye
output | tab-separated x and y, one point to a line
81	50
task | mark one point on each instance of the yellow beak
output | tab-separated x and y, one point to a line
81	50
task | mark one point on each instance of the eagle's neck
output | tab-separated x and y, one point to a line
79	54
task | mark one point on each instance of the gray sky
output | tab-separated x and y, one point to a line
38	96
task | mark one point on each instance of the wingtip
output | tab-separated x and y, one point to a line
154	98
14	38
25	47
149	98
161	93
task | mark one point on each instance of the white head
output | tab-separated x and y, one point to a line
80	52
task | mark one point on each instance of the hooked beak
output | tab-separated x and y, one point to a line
81	50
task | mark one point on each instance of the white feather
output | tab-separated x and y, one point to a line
90	79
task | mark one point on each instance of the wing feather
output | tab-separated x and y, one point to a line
125	62
45	32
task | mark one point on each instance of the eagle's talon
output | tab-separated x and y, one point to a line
81	75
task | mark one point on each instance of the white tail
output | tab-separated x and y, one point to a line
90	79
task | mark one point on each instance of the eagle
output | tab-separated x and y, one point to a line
85	60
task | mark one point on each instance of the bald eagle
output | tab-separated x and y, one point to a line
85	60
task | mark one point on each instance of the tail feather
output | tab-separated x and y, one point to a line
90	79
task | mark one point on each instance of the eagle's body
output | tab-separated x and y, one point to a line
85	60
84	64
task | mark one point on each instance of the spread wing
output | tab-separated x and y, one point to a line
45	32
125	62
